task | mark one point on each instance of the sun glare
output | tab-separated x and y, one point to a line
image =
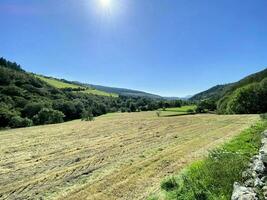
105	3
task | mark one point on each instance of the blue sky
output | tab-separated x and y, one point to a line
170	47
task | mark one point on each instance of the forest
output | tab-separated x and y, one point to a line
26	100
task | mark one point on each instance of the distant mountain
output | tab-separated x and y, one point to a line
219	91
214	92
247	96
121	91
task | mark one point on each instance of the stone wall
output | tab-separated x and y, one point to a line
255	184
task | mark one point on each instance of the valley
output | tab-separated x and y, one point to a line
116	156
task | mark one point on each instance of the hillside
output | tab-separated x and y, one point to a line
63	84
98	89
122	91
246	96
27	99
214	92
219	91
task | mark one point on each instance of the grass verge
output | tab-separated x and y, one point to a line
213	177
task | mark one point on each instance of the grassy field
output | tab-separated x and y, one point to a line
170	112
117	156
60	84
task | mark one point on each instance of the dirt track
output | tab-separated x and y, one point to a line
120	156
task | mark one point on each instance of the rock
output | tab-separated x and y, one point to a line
264	180
263	141
255	158
243	193
258	183
258	166
249	183
263	153
247	174
264	189
264	133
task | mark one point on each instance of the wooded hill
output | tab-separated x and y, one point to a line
27	99
245	96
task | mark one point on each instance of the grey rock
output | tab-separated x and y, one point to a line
247	174
243	193
264	134
263	153
255	158
249	183
264	189
258	166
258	183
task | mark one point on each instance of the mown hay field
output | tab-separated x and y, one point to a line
117	156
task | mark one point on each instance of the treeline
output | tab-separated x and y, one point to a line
247	96
250	99
26	100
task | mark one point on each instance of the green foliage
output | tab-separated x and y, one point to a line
206	105
87	115
48	116
18	122
246	96
6	114
25	95
213	177
245	100
263	116
169	184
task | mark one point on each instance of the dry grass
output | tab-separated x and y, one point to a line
118	156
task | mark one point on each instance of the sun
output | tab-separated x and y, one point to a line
105	3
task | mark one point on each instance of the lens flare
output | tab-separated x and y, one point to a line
106	3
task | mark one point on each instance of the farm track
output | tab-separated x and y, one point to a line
119	156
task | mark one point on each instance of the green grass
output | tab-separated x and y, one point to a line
213	177
57	83
99	92
184	110
60	85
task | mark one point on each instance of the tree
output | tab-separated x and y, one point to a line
87	115
206	105
5	115
48	116
246	100
32	109
18	122
132	107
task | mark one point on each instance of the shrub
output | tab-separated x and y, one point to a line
190	111
6	114
169	184
48	116
18	122
32	109
263	116
87	115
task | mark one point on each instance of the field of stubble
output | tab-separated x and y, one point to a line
117	156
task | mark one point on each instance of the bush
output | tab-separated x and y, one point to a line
48	116
6	114
190	111
263	116
169	184
32	109
18	122
206	105
87	115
